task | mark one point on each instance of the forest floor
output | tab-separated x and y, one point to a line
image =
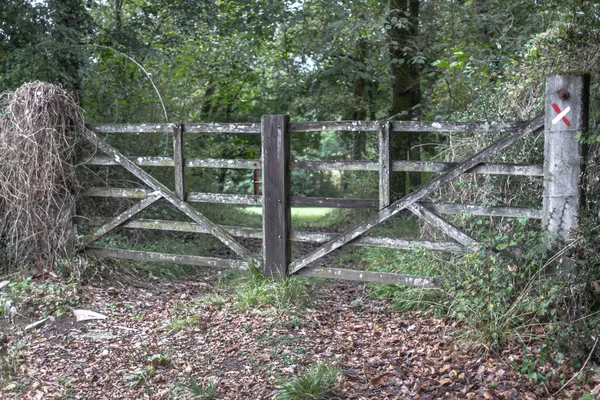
184	339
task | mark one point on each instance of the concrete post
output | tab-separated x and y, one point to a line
567	103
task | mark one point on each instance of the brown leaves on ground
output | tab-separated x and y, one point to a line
166	339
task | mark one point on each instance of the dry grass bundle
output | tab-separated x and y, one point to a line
37	177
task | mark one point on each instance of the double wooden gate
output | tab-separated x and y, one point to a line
565	118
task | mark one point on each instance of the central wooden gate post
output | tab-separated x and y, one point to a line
276	204
567	103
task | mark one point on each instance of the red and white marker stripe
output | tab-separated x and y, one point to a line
561	115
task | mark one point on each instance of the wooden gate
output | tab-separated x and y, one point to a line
565	117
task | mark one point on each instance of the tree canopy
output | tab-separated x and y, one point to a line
229	61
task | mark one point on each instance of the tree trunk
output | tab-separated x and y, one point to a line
360	101
481	10
403	23
71	23
207	102
118	16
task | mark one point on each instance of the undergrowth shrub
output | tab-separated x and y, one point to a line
41	299
499	298
10	360
577	306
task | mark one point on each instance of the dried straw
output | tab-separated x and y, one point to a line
37	178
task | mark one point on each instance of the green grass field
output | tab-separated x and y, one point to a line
301	216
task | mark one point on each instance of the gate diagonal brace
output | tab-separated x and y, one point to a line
165	192
447	228
119	219
399	205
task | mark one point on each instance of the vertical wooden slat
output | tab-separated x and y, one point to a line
567	103
276	206
178	160
256	181
385	164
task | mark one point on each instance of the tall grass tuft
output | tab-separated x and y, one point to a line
286	294
318	382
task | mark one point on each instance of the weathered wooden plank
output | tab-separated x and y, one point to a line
345	126
178	160
214	127
405	126
385	242
454	127
245	128
332	202
369	276
445	208
222	163
444	226
339	126
167	258
220	198
142	161
277	224
488	169
418	194
335	165
298	236
567	115
496	211
130	128
175	226
385	165
192	197
119	193
419	166
119	219
147	161
168	195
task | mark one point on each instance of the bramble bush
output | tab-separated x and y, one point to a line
499	298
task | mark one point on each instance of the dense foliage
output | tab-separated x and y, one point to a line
233	61
228	61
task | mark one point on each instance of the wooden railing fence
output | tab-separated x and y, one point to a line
565	119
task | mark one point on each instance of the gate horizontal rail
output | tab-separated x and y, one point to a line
184	259
299	127
297	236
408	166
328	202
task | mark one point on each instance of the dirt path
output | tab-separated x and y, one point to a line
162	337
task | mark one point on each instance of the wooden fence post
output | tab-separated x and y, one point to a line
178	160
567	103
385	165
276	205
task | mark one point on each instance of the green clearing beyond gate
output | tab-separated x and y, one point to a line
564	119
